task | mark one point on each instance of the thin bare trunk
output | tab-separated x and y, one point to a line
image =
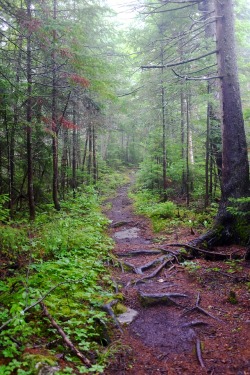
55	127
29	119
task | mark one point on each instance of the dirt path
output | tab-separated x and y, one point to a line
174	337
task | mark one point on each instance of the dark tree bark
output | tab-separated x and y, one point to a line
94	155
55	127
164	131
235	169
74	145
29	119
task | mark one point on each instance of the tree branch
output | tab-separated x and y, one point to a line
186	78
178	63
65	338
167	10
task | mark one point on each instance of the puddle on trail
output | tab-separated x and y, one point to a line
127	233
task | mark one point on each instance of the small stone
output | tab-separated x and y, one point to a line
128	316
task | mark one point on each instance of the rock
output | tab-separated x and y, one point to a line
127	317
159	298
44	369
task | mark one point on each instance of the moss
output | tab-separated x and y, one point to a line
36	361
119	308
242	229
232	298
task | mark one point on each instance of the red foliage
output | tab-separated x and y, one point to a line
65	52
32	25
67	124
48	121
79	80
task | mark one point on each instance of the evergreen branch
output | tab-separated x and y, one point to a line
178	63
186	78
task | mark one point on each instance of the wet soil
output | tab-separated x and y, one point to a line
176	337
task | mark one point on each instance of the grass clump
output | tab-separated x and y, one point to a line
148	203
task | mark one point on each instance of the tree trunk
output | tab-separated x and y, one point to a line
235	170
230	227
74	145
64	160
29	119
94	155
164	150
54	119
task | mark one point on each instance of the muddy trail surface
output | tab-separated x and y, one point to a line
184	322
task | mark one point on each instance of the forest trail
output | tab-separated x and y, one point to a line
196	330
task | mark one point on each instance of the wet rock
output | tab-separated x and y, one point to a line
128	316
46	369
127	233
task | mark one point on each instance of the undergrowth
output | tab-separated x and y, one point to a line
59	259
165	215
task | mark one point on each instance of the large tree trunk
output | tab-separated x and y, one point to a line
235	169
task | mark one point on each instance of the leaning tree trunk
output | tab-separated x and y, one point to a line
235	168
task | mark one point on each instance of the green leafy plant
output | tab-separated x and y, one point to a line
67	251
191	266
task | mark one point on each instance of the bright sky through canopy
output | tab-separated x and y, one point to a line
125	10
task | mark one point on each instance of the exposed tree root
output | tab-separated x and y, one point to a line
65	338
155	272
109	310
136	253
199	354
152	263
160	298
200	309
212	255
195	323
119	224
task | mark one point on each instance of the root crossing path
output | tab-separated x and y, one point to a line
179	327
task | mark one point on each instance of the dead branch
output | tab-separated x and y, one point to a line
65	338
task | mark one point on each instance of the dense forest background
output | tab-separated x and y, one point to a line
84	97
79	95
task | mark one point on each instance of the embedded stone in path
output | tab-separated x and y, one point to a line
128	316
127	233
